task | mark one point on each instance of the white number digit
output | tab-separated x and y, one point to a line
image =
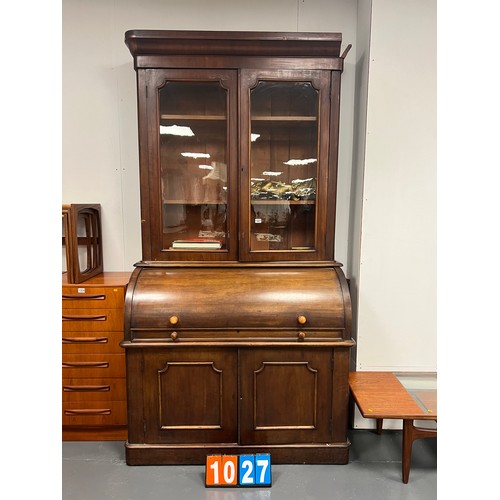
215	467
229	472
263	464
247	479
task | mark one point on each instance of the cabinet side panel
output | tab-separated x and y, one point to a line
340	393
135	390
331	202
142	76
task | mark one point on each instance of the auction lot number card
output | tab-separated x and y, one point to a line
238	470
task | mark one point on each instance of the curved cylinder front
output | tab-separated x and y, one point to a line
238	298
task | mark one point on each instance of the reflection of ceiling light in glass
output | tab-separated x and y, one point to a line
300	162
196	155
296	181
176	130
271	173
254	137
206	167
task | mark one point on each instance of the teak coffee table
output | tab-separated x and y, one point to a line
406	396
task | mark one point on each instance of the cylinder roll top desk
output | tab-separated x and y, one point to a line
238	317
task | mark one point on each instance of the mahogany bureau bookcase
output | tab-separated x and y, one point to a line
238	317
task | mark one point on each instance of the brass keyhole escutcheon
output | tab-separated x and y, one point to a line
302	335
173	320
174	336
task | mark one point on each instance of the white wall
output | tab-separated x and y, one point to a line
362	61
397	267
393	237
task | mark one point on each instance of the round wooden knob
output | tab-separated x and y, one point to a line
174	335
173	320
302	335
302	320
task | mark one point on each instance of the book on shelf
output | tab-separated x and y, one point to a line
198	244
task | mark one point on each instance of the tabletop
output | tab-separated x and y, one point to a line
395	395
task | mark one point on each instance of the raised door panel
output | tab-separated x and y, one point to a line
190	396
286	396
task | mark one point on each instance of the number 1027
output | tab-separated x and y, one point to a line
238	470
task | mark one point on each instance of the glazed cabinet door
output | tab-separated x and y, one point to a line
286	396
188	164
285	183
190	395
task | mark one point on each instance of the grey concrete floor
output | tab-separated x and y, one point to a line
97	470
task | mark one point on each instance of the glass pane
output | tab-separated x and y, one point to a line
193	138
423	388
284	162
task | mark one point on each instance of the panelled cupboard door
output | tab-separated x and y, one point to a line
284	165
190	395
188	163
286	396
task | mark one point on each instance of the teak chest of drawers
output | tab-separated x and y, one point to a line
94	400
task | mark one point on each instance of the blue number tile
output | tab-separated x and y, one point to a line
246	470
263	469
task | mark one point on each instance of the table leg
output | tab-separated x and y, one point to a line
380	423
410	433
407	446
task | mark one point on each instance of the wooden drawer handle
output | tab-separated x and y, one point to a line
86	364
104	411
85	340
86	388
99	317
80	296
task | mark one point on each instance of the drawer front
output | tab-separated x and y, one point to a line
92	320
94	389
75	297
260	335
92	343
93	365
94	413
